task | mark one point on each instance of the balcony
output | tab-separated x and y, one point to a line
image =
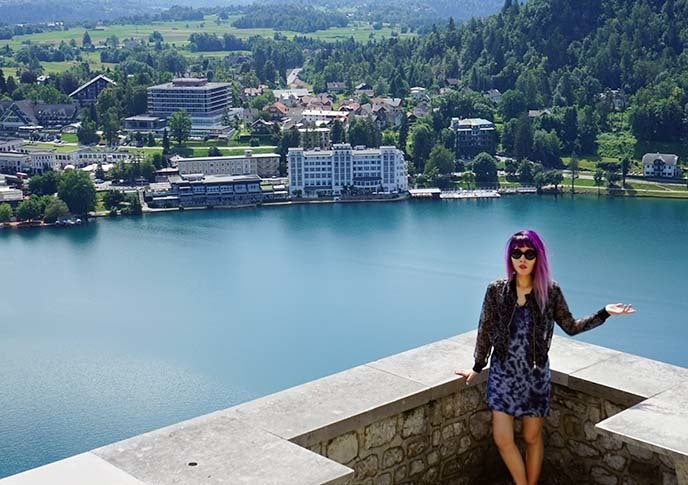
407	419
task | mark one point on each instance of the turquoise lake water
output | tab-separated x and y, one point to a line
127	325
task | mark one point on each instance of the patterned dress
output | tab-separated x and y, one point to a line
513	386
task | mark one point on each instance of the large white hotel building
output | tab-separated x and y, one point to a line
327	172
206	102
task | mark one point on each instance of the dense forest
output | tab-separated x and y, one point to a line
559	54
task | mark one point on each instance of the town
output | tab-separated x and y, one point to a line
149	129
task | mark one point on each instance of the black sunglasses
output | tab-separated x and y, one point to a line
530	254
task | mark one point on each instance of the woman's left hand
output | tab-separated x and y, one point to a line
619	309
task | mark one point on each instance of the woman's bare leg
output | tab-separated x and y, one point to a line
535	448
503	434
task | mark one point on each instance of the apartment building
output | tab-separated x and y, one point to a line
332	172
206	102
473	135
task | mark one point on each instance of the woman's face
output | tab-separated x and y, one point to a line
523	260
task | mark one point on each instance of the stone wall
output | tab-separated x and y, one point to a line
616	419
448	441
577	452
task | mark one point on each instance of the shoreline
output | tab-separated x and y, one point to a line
579	191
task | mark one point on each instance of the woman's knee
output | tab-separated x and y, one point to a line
532	436
502	438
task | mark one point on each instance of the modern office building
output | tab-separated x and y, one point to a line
206	102
261	164
330	172
473	135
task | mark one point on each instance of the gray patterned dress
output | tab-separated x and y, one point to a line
513	386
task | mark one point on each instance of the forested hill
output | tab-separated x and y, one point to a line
551	52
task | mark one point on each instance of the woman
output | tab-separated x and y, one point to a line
517	323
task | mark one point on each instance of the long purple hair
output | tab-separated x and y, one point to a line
541	275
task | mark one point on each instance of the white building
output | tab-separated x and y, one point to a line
473	135
328	172
206	102
10	144
315	115
262	164
32	160
8	195
660	165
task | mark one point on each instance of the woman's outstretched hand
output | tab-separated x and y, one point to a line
619	309
469	375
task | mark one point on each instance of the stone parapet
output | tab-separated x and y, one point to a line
408	419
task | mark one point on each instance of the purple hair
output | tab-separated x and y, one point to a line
541	275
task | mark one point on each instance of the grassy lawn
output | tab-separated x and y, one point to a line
177	33
51	146
202	151
69	138
100	206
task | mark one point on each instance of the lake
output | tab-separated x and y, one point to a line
126	325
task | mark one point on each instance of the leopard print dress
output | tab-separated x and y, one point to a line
514	386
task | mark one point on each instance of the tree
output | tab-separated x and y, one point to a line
214	151
111	125
165	142
86	133
56	210
554	177
29	209
612	177
5	212
573	168
45	184
625	167
403	134
77	190
112	199
86	40
598	177
485	169
513	104
525	172
364	131
539	180
290	138
100	172
337	132
441	159
523	137
510	167
180	126
150	141
11	85
468	178
422	141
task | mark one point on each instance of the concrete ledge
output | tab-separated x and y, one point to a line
220	450
262	441
627	379
328	407
84	469
568	356
659	424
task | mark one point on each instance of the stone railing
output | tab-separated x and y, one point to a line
407	419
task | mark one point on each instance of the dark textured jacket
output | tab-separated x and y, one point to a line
498	310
